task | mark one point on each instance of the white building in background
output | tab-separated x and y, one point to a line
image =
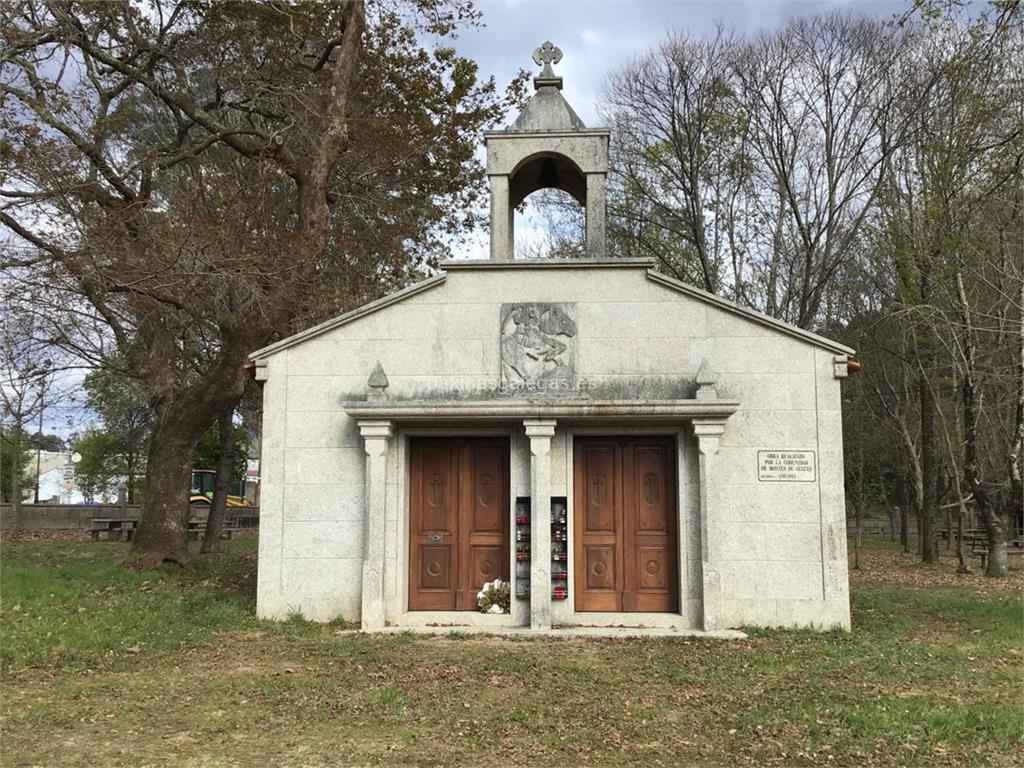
56	479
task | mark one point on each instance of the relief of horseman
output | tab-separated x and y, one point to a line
534	337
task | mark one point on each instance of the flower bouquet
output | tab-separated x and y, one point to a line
494	597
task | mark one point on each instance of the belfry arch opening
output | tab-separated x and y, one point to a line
551	224
547	170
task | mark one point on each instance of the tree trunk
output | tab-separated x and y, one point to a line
130	477
225	463
997	565
961	513
16	505
856	535
162	534
1015	455
16	475
890	513
995	526
905	520
929	473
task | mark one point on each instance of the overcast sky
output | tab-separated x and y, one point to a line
598	35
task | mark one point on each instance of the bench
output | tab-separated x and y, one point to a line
979	548
115	528
196	529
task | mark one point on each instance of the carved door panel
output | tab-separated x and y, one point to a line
433	524
651	576
485	524
458	520
625	524
598	533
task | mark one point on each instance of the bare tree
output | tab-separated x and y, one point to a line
676	155
209	177
28	385
820	96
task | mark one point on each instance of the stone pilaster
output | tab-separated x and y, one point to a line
376	435
709	433
540	432
596	202
502	220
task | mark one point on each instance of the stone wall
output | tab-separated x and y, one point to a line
61	517
78	517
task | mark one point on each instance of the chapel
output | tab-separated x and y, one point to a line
626	450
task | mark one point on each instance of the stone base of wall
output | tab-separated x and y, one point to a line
78	517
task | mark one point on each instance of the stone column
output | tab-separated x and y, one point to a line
540	432
502	220
596	215
375	441
709	432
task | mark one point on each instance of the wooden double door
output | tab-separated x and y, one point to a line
458	520
626	553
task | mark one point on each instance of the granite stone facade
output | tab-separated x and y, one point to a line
777	549
546	354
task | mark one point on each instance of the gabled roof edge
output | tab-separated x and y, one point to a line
750	314
348	317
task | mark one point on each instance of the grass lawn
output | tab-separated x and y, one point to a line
101	666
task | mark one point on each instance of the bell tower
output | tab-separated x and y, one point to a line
547	147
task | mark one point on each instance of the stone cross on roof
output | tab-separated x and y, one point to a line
546	55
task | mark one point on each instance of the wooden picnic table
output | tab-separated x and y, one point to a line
116	528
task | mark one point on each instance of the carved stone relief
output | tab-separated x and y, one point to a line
538	345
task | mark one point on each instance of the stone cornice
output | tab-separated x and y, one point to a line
507	134
348	317
605	263
750	314
632	411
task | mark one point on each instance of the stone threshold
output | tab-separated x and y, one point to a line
556	632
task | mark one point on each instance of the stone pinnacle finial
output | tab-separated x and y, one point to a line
377	384
546	55
704	373
706	381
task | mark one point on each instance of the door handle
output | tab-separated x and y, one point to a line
435	538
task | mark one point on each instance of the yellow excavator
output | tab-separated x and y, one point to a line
202	490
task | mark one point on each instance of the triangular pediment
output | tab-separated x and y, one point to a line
713	302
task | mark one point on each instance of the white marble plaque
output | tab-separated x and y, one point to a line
784	466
